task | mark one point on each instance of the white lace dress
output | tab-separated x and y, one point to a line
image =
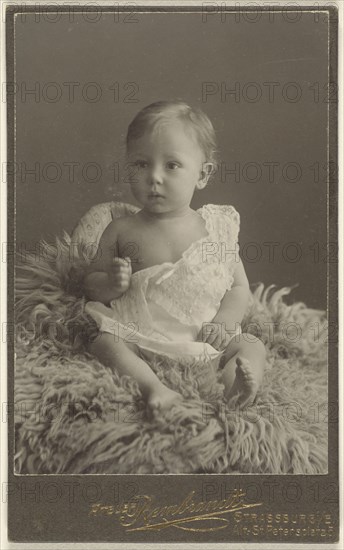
165	307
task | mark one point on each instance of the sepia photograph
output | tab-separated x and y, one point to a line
172	213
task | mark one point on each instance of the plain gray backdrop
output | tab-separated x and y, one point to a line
273	131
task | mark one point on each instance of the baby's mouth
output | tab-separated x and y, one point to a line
155	196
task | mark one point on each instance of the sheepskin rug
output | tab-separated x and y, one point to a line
75	416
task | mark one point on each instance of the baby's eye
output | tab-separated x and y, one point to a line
141	163
172	165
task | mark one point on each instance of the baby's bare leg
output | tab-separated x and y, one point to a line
119	356
244	367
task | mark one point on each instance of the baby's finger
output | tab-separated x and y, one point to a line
122	266
128	259
122	269
121	277
119	261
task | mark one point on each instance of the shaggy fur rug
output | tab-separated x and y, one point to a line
75	416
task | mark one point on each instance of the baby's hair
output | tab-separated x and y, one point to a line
164	111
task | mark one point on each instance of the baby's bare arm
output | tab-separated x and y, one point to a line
235	301
108	276
230	314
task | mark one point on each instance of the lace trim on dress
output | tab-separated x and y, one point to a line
205	270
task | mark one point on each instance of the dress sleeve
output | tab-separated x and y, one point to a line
233	223
226	222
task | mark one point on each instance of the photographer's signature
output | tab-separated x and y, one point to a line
141	513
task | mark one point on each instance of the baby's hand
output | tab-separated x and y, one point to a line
214	334
119	274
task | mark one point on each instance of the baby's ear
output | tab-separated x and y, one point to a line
207	169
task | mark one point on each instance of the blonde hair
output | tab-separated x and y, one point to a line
162	111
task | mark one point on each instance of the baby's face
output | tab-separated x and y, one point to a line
167	166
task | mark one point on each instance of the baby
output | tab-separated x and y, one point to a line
184	292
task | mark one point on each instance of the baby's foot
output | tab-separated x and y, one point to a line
245	384
162	400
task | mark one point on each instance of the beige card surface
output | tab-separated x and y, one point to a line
172	261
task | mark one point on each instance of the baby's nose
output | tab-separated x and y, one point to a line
156	176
